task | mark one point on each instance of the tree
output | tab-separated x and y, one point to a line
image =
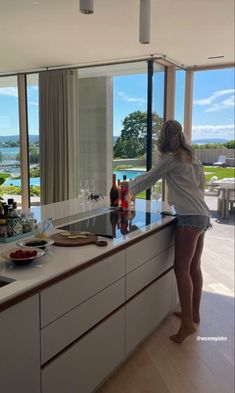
33	154
133	138
230	144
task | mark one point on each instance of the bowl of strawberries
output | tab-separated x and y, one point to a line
23	256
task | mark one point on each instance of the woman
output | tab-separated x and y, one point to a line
184	176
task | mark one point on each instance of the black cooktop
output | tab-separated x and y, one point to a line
114	224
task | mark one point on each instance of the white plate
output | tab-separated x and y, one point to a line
23	243
22	261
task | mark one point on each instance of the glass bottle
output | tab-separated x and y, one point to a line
3	223
124	193
9	217
10	202
15	211
114	194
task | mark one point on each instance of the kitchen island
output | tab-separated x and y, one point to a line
74	315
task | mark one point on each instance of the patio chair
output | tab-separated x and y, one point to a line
212	186
221	161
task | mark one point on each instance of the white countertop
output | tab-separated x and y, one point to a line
60	260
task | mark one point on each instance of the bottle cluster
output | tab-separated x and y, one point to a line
12	221
119	193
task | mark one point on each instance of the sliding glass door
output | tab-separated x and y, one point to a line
10	172
158	116
33	138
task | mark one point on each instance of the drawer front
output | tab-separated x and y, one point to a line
20	347
70	292
149	271
148	248
85	365
60	333
146	310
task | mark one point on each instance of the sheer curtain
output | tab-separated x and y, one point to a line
58	124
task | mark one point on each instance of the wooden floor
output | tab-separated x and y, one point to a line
161	366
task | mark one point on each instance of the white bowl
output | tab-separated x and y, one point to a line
35	243
22	261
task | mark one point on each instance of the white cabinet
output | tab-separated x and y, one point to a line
148	272
145	311
149	247
89	322
92	320
83	366
70	292
19	348
66	329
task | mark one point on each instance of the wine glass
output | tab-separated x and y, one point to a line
91	186
83	190
157	196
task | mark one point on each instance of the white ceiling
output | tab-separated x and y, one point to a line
35	34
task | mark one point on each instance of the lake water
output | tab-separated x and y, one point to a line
35	181
9	153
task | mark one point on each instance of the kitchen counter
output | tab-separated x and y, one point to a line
79	311
59	262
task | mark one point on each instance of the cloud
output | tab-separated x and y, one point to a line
33	103
219	130
214	102
126	98
230	101
9	91
214	128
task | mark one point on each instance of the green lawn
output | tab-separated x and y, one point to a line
219	172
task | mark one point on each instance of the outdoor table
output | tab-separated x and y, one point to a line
226	186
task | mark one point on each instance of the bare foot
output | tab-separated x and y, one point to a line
183	332
196	317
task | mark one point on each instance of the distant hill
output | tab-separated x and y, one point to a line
214	140
115	138
15	138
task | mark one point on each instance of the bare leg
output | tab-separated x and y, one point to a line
197	280
196	274
185	247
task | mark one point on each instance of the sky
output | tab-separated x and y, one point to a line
213	102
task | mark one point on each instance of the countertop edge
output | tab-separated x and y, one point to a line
24	294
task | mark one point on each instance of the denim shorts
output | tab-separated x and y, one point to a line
202	222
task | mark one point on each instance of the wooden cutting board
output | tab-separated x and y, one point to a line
67	242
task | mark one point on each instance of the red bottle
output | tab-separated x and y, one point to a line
124	193
114	193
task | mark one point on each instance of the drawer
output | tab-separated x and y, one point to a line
145	311
149	271
148	248
60	333
88	362
70	292
20	347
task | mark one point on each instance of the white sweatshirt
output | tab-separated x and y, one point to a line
185	183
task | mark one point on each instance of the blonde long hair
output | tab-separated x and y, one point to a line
172	140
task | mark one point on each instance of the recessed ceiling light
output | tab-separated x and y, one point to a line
216	57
